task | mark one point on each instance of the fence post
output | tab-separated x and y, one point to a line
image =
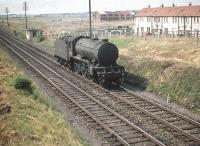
195	37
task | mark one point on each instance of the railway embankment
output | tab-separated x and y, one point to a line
169	67
26	116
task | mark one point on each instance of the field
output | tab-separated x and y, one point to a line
26	116
169	67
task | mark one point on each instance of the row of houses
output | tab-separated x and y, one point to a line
113	15
178	20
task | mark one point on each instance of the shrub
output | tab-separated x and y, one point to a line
41	38
24	84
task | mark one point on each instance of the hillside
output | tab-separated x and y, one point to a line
26	116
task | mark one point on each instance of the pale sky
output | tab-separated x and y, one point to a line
70	6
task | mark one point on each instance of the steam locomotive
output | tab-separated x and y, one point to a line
92	58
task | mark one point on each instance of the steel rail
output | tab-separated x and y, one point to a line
156	117
110	110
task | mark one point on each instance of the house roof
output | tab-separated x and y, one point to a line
171	11
117	12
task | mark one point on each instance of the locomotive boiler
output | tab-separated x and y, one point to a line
92	58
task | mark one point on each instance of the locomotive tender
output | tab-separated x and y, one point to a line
92	58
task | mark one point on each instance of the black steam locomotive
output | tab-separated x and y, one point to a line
92	58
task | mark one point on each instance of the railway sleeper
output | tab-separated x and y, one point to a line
167	115
137	140
83	100
77	95
89	120
144	105
101	131
154	110
133	136
187	127
80	112
117	128
173	119
112	120
158	113
90	107
128	132
106	136
145	143
194	132
116	124
109	117
150	107
136	101
72	108
74	93
111	140
92	125
97	112
117	143
104	115
89	104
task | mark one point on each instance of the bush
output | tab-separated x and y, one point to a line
41	38
24	84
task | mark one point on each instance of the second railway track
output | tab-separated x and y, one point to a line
161	123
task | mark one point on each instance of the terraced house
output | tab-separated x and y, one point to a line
114	15
175	20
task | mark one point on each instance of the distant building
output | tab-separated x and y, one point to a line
178	20
31	33
113	16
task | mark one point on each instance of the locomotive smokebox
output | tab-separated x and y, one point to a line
104	52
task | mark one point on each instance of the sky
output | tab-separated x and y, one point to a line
71	6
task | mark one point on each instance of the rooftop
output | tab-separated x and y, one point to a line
171	11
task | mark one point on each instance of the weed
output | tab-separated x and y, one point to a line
24	84
36	94
41	38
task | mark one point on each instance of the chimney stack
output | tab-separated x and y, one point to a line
149	6
162	5
173	5
190	4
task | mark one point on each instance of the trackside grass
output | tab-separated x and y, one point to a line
168	67
32	120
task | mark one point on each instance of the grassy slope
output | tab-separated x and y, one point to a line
31	122
167	67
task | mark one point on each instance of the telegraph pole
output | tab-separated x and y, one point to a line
25	10
7	11
90	15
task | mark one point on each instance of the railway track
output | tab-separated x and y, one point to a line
133	107
118	130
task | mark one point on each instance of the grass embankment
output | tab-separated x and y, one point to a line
32	120
122	43
44	43
168	67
